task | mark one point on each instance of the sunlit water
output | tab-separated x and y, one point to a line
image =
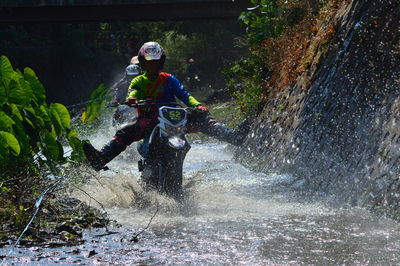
231	216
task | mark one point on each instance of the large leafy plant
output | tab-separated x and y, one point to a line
31	131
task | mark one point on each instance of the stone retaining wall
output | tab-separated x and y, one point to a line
340	134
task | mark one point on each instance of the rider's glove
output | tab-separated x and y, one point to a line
132	101
201	107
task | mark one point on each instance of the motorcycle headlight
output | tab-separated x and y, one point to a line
176	143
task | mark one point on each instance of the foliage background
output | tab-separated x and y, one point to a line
73	59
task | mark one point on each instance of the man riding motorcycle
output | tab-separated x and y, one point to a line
193	78
121	91
122	86
162	88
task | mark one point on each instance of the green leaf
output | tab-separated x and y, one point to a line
44	114
19	91
98	100
55	118
32	132
63	113
72	138
37	87
37	121
22	137
6	73
99	91
15	112
3	95
4	151
11	142
6	122
51	147
76	145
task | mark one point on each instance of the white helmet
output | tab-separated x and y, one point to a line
135	60
132	70
150	51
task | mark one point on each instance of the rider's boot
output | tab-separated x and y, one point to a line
233	136
98	159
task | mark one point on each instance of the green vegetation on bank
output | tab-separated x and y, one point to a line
31	130
33	135
277	34
73	59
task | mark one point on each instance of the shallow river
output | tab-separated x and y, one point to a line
232	216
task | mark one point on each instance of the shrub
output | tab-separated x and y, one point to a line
263	21
283	41
31	130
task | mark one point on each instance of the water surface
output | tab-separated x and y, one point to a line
231	216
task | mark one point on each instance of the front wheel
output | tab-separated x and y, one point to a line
165	177
173	178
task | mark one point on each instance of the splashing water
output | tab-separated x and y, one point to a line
231	216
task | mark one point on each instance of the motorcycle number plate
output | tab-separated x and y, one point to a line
174	115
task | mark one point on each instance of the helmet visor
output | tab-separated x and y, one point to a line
152	53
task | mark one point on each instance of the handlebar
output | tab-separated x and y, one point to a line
140	103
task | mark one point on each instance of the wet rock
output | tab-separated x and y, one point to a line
67	228
134	239
91	253
76	251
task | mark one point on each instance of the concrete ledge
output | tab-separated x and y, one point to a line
71	11
44	3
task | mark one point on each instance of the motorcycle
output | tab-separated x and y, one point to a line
194	82
164	151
